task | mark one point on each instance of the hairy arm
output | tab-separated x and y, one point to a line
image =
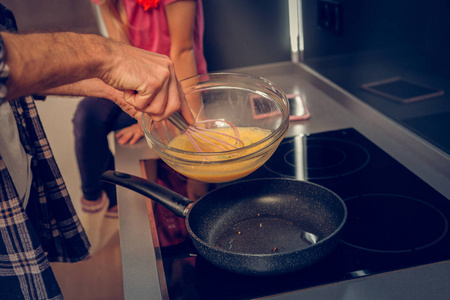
94	88
42	62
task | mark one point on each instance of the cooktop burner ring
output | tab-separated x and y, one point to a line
325	158
423	225
334	164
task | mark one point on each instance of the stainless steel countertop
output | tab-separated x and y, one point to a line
331	108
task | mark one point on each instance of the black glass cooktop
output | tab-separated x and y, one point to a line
395	221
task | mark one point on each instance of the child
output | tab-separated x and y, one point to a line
170	27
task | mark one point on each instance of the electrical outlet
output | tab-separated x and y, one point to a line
329	16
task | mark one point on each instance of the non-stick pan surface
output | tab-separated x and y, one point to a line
255	227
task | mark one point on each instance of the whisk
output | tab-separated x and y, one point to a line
205	139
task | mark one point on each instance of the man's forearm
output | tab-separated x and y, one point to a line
44	61
93	87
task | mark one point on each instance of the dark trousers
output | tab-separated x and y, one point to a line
94	119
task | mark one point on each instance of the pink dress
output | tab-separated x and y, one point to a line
149	29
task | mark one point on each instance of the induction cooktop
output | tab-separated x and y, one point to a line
395	221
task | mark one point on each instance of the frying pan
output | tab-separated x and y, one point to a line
254	227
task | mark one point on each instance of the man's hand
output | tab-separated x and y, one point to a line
148	81
42	62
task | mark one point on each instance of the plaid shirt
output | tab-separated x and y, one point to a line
49	229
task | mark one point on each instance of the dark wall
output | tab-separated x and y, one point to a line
241	33
238	33
375	24
53	15
383	39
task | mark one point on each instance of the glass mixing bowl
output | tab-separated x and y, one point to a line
245	101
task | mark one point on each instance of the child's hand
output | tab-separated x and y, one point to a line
130	135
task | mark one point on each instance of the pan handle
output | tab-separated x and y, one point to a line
168	198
